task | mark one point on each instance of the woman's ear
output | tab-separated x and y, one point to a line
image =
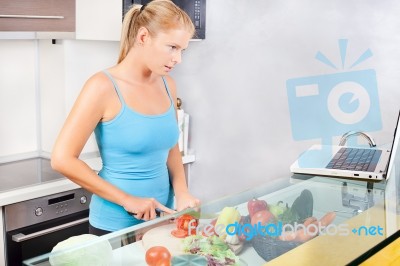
142	36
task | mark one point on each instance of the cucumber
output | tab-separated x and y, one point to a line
302	207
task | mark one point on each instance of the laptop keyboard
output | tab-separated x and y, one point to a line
352	159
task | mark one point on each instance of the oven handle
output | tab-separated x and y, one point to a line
21	237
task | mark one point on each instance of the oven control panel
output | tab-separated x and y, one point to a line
37	210
63	207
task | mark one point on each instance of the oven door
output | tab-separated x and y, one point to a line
38	239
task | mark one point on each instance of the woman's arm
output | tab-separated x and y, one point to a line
175	167
87	111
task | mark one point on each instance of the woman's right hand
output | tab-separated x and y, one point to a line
145	208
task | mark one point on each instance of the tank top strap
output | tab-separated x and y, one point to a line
167	88
115	87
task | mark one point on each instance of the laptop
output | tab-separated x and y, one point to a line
348	162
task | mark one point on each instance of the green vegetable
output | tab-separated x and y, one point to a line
73	252
303	205
277	209
212	247
301	209
288	216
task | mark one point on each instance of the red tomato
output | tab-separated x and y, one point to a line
156	255
179	233
183	222
261	217
164	263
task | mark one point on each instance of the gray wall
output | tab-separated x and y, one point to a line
233	84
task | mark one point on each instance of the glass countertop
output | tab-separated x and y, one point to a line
366	215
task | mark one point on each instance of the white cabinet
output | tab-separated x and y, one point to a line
98	20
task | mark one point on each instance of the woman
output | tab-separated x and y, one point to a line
131	109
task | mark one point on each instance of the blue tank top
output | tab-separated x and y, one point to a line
134	149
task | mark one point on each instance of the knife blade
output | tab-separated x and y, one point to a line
159	213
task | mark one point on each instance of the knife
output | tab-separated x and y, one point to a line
159	213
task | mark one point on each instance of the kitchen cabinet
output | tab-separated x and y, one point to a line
60	19
98	20
366	214
37	16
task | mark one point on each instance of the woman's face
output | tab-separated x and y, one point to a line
165	49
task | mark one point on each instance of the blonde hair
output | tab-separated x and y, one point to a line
156	16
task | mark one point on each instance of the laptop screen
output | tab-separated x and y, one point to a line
392	189
394	156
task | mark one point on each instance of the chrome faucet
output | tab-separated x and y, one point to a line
346	135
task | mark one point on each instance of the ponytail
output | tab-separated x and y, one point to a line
156	16
127	34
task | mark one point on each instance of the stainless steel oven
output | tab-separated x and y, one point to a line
35	226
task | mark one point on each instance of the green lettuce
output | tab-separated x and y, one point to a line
213	248
74	252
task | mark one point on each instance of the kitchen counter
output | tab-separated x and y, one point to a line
45	188
370	214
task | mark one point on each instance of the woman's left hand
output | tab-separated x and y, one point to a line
186	200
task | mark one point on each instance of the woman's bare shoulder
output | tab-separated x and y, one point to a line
97	93
98	84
